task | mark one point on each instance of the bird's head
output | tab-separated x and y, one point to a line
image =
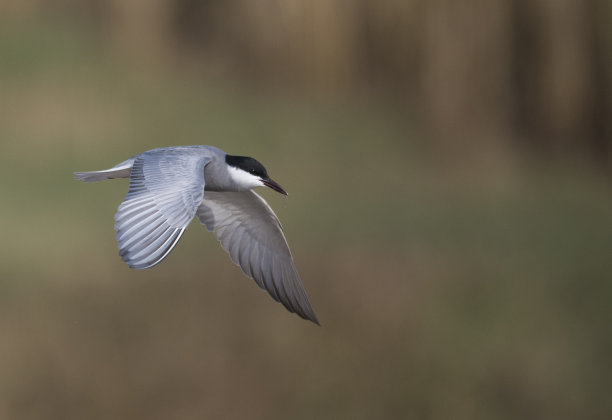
247	173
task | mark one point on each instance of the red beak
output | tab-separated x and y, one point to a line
272	184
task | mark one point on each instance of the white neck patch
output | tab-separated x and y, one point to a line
242	179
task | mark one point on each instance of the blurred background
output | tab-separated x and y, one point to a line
449	166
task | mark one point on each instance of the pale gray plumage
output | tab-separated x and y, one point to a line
251	233
166	188
169	186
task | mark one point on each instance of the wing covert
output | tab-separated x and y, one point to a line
166	187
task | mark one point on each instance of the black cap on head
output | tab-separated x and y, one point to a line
255	168
247	164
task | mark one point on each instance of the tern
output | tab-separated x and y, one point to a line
172	185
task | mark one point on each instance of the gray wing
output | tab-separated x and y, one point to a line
250	232
166	187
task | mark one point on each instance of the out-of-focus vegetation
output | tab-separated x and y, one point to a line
457	270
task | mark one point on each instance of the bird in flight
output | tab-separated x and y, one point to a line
171	185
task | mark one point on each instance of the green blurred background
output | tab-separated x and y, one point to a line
449	165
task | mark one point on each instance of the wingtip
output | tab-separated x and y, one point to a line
310	317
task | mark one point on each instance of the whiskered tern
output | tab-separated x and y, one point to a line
171	185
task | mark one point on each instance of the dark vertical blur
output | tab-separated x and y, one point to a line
477	72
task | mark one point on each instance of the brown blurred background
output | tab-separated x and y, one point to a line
448	165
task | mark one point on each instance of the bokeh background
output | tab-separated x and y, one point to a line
449	165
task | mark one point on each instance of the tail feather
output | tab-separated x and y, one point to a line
121	170
95	176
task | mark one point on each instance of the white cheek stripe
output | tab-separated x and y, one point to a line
244	179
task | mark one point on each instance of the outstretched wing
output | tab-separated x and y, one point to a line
250	232
166	187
